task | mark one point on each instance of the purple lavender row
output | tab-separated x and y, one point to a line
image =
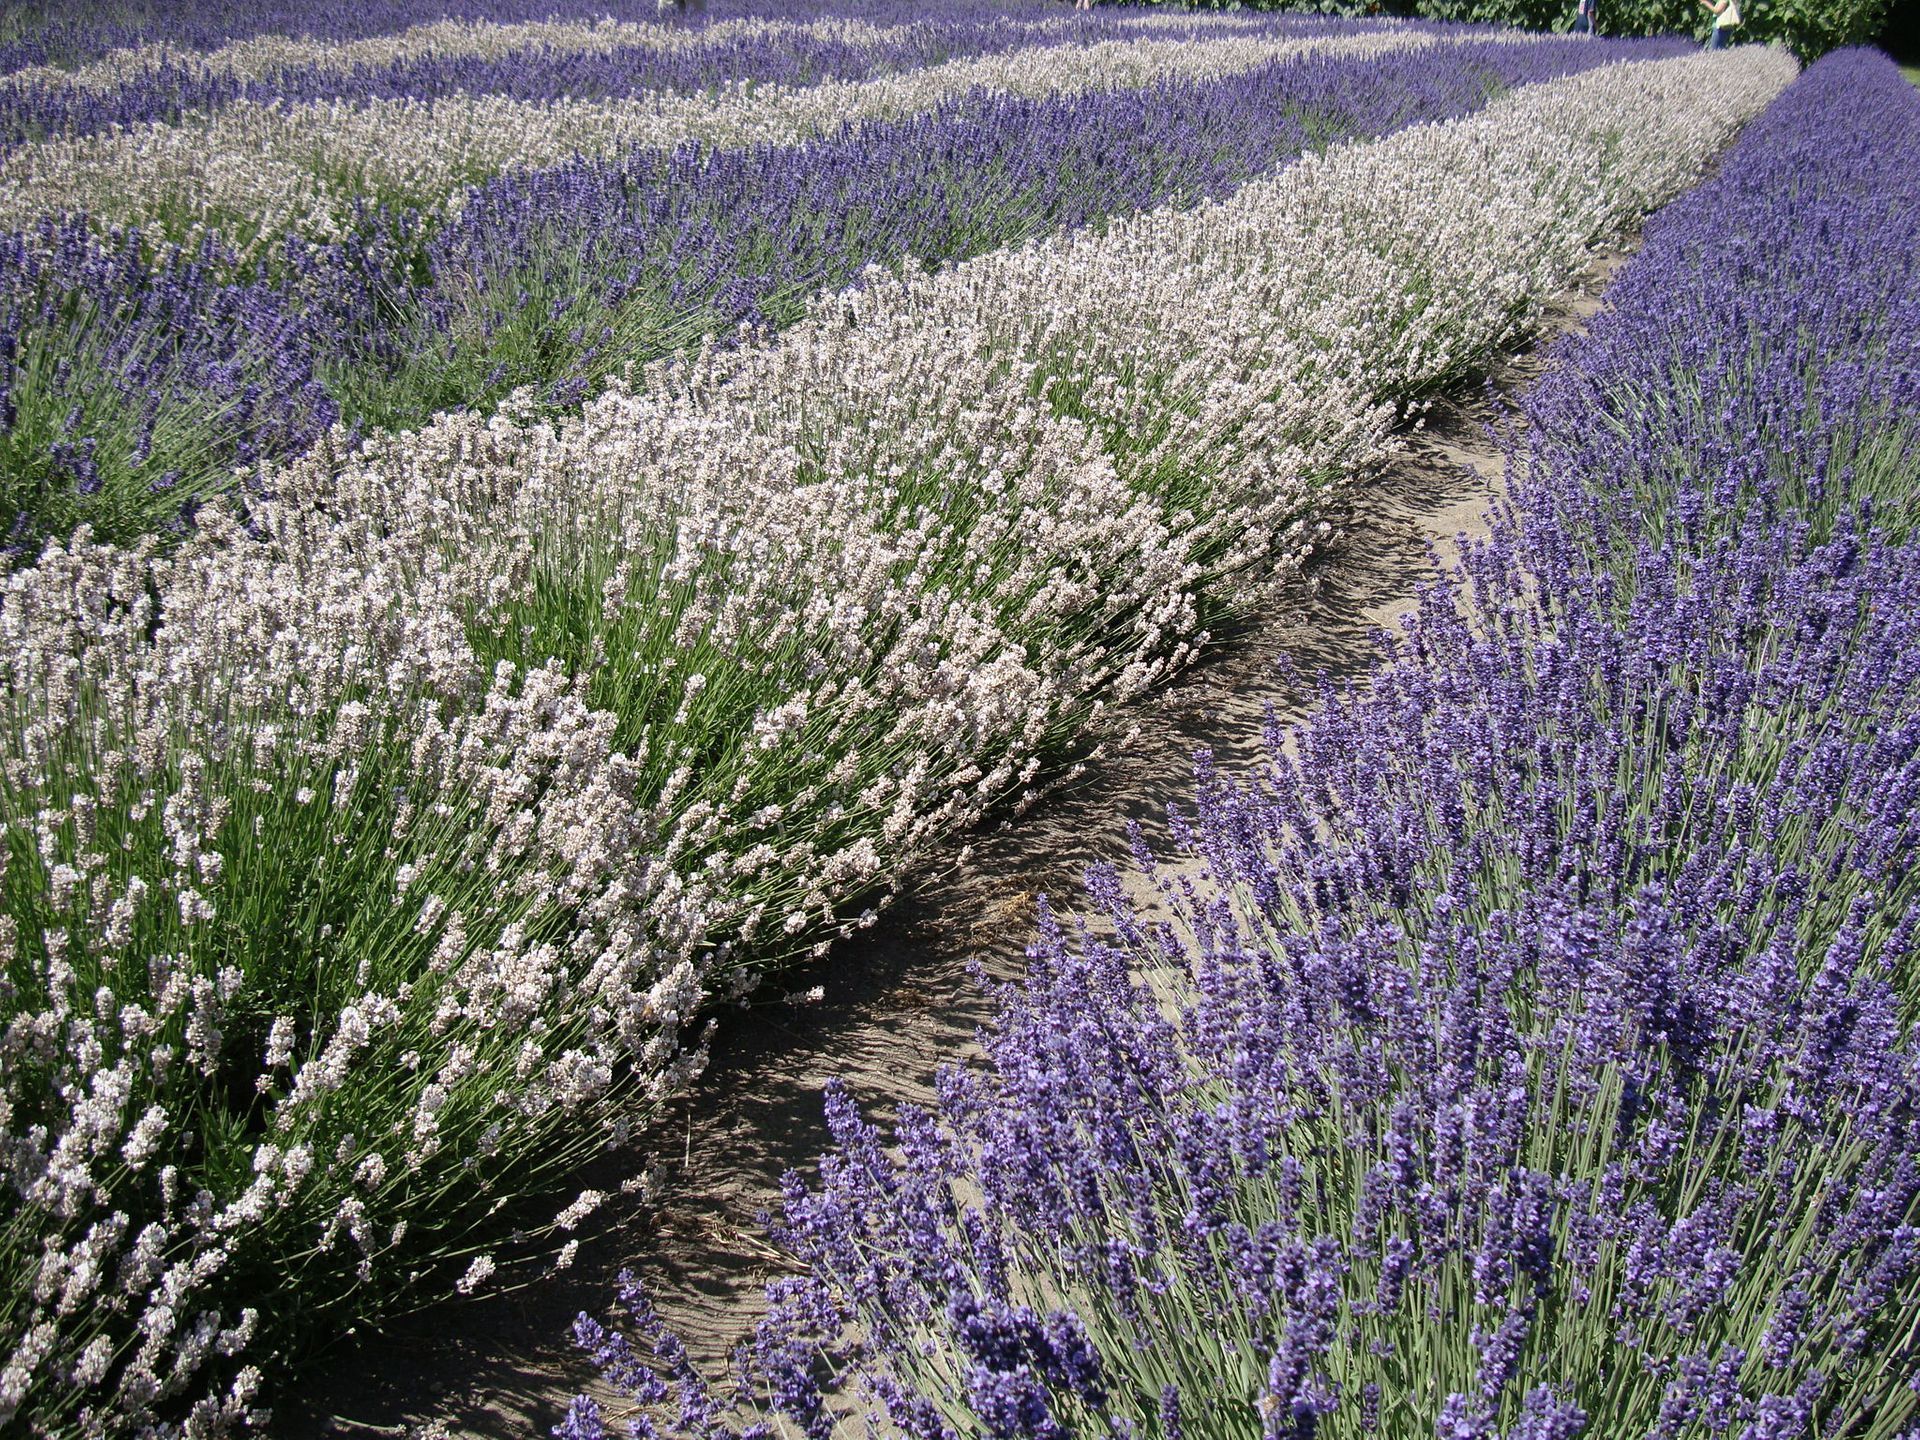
1812	332
127	383
169	90
1535	1056
116	412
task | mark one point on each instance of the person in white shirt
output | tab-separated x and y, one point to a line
1726	19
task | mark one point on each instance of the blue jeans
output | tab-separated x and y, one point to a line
1719	38
1582	25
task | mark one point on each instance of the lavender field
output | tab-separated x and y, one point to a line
523	529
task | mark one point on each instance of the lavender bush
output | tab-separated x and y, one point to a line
131	388
1529	1049
1812	331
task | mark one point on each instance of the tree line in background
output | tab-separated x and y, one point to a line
1807	27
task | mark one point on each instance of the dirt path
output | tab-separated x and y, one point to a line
898	1000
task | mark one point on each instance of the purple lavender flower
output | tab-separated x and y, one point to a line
132	387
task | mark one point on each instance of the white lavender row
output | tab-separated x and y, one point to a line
370	839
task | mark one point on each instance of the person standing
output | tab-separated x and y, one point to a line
1583	17
1726	19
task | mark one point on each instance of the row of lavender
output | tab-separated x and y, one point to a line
133	388
378	858
57	38
542	61
1533	1054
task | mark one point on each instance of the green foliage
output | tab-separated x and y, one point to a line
1812	27
1809	28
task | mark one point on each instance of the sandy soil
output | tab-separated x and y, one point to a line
898	1000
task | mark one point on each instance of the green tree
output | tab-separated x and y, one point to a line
1807	27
